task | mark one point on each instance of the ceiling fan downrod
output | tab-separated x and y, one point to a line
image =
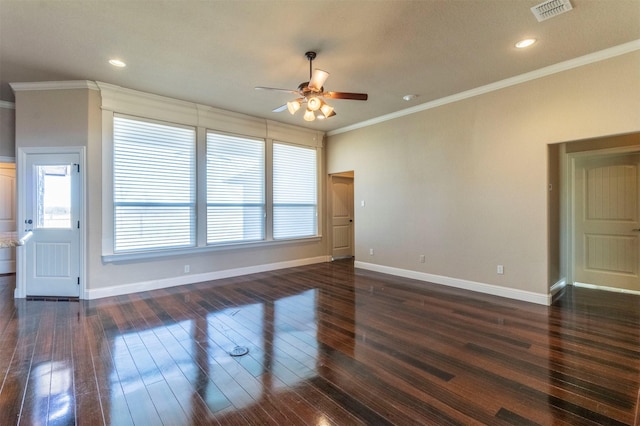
310	57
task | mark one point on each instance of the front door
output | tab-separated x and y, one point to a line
52	212
607	222
342	217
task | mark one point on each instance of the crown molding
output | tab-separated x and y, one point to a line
133	102
54	85
122	100
7	105
601	55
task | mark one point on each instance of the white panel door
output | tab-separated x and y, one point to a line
342	216
7	214
52	212
607	222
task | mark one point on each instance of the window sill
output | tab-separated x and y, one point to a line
125	257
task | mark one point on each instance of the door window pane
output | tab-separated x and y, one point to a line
53	207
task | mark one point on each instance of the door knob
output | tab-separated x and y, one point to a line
635	230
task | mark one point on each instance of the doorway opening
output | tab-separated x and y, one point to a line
594	215
341	217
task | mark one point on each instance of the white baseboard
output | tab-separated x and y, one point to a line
511	293
605	288
118	290
557	288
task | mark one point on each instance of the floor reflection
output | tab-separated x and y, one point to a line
193	357
54	394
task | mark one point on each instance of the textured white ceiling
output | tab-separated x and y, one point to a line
216	52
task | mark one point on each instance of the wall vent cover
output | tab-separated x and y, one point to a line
550	9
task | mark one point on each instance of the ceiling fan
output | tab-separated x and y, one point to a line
313	95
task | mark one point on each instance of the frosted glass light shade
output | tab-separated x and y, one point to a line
293	106
317	79
326	110
309	115
314	104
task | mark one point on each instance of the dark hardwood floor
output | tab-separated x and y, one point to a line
327	345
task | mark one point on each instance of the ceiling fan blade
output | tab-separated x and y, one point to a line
295	92
280	108
317	79
346	95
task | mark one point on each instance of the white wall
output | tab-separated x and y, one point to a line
7	130
465	183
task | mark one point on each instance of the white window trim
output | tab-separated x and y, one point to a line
152	107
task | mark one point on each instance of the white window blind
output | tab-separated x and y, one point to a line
235	189
153	185
295	198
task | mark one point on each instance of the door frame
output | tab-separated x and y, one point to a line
569	196
21	170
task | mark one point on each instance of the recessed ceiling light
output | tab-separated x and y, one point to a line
409	97
117	63
525	43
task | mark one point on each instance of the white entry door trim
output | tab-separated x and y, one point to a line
23	155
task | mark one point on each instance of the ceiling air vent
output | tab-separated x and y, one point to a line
551	8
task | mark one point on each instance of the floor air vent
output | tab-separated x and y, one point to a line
550	9
53	299
239	351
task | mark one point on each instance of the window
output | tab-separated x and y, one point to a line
295	210
235	189
182	178
153	185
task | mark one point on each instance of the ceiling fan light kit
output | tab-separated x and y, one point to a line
312	93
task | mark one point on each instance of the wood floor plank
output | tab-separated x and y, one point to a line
39	374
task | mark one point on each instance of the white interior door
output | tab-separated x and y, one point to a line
342	217
52	212
607	223
7	214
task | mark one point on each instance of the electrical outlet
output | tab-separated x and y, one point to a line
500	269
370	252
422	258
187	269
